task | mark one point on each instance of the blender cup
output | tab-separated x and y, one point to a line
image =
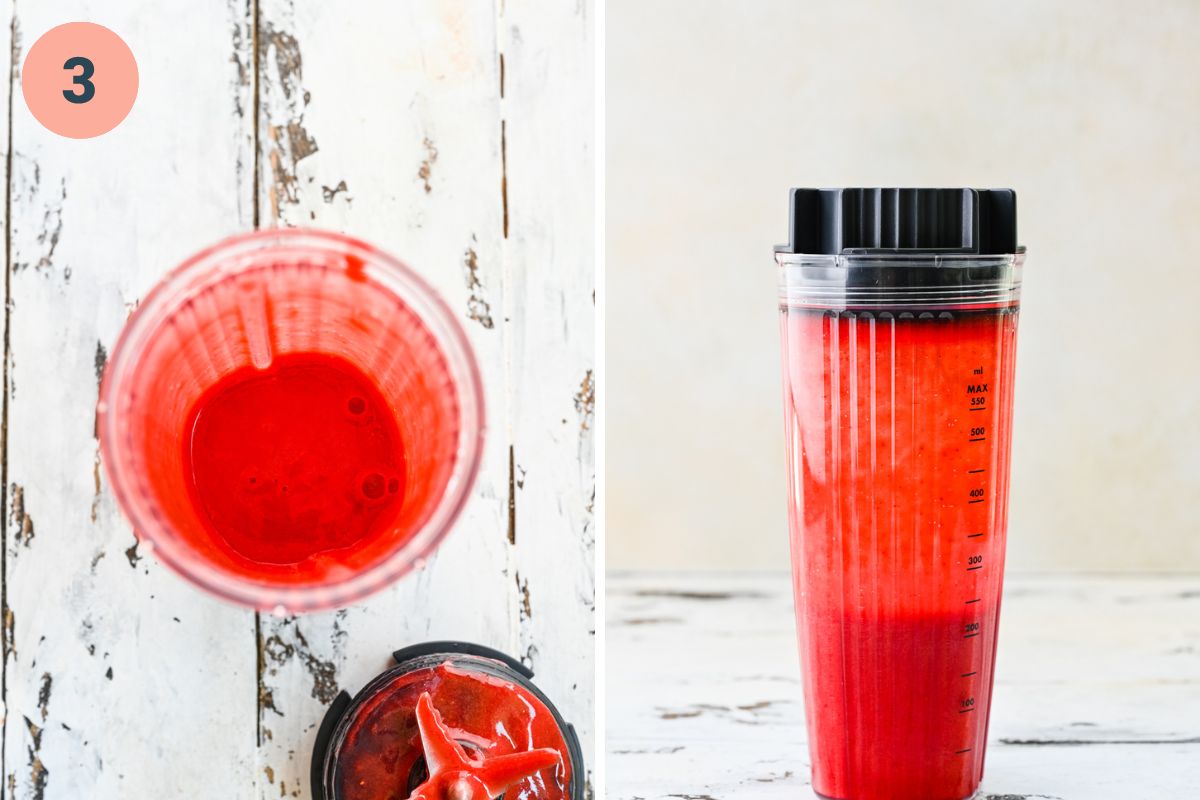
899	321
291	420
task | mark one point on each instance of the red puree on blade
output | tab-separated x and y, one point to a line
301	458
444	733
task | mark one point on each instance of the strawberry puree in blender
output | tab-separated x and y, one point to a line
492	720
898	431
291	420
303	457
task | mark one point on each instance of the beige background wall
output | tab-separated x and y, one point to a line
1091	111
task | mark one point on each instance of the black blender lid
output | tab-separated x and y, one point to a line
902	221
513	670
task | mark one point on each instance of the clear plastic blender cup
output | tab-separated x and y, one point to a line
899	320
265	314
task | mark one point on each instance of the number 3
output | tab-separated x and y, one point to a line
89	88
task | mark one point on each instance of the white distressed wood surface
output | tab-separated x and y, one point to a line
382	120
120	680
1097	693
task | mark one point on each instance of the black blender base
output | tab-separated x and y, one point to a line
507	667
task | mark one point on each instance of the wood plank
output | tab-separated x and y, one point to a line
381	120
121	680
548	115
1097	691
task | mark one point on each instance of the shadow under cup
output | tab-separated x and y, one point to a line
238	307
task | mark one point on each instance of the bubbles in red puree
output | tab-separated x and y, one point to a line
294	460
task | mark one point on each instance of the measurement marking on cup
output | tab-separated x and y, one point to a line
978	408
967	674
980	439
971	569
975	471
976	600
974	535
960	752
969	635
980	500
965	710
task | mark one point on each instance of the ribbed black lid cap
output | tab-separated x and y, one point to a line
876	220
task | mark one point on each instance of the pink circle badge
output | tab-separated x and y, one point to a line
80	80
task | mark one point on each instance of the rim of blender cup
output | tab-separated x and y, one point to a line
821	274
132	491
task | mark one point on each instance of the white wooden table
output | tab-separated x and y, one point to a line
1097	693
456	134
